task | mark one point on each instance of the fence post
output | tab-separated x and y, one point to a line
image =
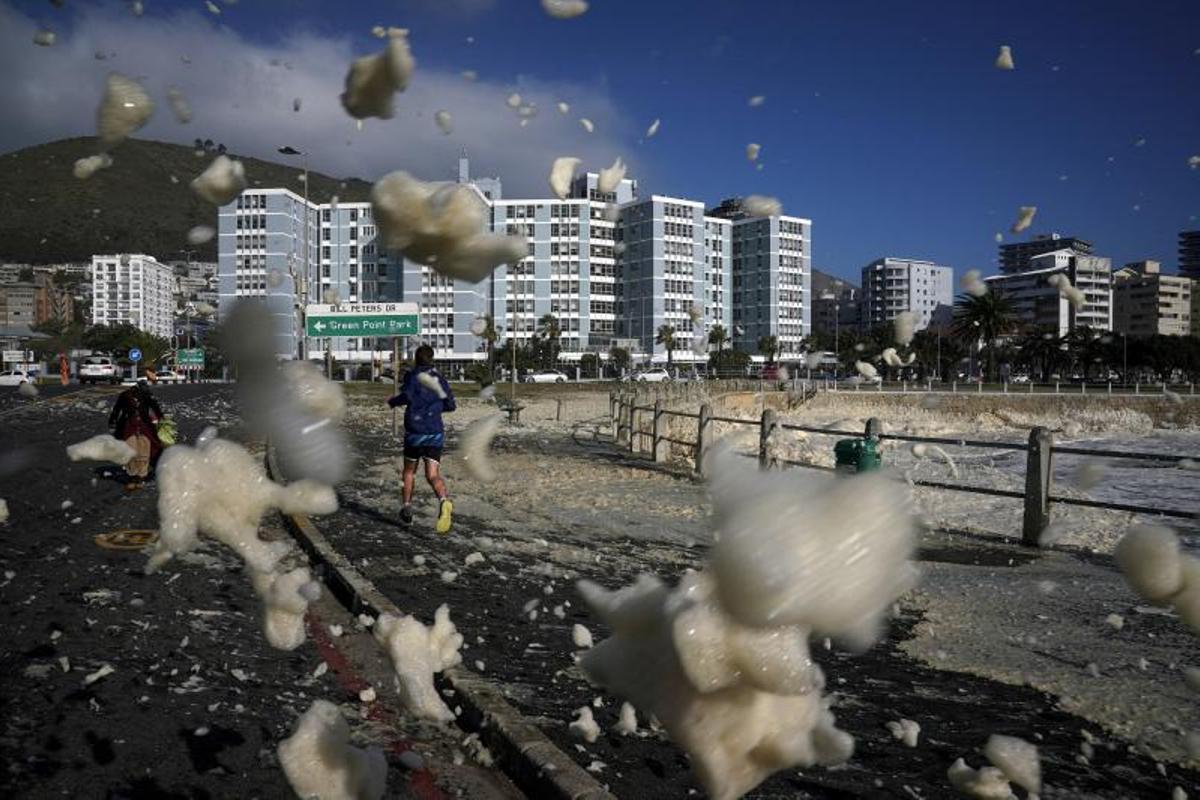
703	436
1137	388
1056	387
766	428
1037	486
1110	387
954	387
979	386
633	438
1006	387
612	412
1083	387
558	410
658	446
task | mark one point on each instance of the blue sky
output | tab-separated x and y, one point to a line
884	122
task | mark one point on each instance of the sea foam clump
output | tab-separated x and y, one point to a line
319	760
440	225
217	488
722	659
1155	568
372	81
417	652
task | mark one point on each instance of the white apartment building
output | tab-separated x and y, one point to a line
891	286
1039	304
134	289
1146	302
606	266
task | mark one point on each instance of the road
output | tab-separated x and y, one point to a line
198	701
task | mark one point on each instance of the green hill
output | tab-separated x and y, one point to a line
133	206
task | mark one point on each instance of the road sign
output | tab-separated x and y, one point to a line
189	357
135	354
362	319
11	356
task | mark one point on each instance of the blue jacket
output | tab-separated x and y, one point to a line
423	408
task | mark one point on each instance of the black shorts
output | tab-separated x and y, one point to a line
415	452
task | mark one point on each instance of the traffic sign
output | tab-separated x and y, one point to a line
362	319
135	354
11	356
189	357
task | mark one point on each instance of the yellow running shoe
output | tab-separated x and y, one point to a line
444	516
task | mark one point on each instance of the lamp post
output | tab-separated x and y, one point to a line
302	299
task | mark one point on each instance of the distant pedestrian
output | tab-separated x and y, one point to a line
133	421
426	396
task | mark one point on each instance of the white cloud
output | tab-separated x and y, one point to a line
241	93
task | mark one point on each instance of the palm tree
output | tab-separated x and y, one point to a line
985	318
1040	351
666	337
768	346
490	336
718	336
550	331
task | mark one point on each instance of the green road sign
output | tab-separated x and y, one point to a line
363	319
193	357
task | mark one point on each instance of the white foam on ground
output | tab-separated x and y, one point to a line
1017	759
102	447
319	760
285	601
416	653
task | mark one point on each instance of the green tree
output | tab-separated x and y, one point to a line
1040	351
728	363
666	337
768	346
618	358
985	318
718	336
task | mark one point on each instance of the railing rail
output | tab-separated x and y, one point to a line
1039	451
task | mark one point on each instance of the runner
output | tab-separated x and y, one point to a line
426	396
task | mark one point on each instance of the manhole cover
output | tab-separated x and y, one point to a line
126	540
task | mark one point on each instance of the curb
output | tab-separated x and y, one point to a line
525	754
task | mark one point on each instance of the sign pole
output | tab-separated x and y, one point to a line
395	379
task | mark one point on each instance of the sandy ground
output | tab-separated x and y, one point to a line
563	503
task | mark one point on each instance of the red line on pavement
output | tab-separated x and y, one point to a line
421	780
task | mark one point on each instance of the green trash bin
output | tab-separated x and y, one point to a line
857	455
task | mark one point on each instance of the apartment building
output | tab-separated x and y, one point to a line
1146	302
1016	256
18	304
892	286
135	289
1040	304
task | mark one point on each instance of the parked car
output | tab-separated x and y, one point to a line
98	369
1020	379
653	376
170	376
14	377
545	376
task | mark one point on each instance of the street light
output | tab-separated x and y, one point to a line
288	150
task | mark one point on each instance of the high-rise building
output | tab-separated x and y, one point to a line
1016	256
891	286
772	271
570	271
1146	302
674	259
1040	304
1189	254
133	289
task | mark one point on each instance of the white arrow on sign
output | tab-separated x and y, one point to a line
319	326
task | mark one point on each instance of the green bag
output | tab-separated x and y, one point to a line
167	432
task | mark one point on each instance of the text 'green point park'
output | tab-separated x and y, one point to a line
398	325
